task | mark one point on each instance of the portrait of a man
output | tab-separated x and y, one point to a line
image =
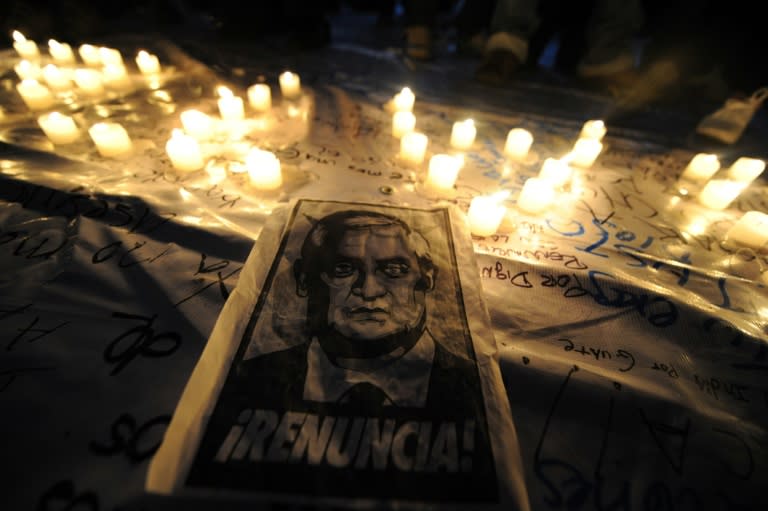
365	390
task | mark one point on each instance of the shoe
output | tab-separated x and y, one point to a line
498	67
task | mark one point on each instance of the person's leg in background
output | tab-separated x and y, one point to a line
420	17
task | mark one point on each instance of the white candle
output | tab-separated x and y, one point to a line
90	55
89	82
27	70
36	95
443	170
263	169
404	100
746	170
147	63
260	97
518	143
56	78
111	139
115	76
111	56
197	124
536	196
463	134
750	230
24	47
593	129
486	214
231	107
61	52
402	123
290	85
59	128
719	193
413	147
184	151
557	172
701	167
585	152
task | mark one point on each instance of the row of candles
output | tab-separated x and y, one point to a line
718	193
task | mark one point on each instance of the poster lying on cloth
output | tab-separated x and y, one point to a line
353	363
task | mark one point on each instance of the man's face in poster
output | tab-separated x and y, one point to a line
372	285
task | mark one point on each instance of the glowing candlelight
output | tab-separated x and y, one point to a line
536	196
115	77
27	70
413	147
56	78
89	82
90	55
486	213
719	193
59	128
260	97
593	129
147	63
290	85
111	139
404	100
264	169
701	167
557	172
231	107
518	143
184	151
197	124
61	52
746	170
750	230
402	123
111	56
36	95
26	48
463	134
443	170
585	152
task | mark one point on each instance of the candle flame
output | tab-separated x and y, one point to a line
499	196
56	116
143	55
224	92
469	122
18	36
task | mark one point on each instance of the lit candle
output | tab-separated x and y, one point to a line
413	147
111	139
463	134
585	152
403	100
184	151
746	170
24	47
443	170
701	167
59	128
557	172
518	143
147	63
290	85
56	78
27	70
231	107
593	129
36	95
486	214
89	81
536	196
90	55
263	169
719	193
750	230
197	124
260	97
61	52
111	56
115	76
402	123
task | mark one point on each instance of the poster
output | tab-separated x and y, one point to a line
353	363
